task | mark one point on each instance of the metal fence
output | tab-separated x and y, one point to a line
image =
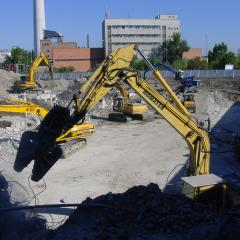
201	74
59	76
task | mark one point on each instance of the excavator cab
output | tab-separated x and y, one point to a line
189	102
179	75
118	104
125	108
23	78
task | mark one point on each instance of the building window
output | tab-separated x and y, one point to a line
136	27
138	43
136	35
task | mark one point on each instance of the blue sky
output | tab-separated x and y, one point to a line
216	19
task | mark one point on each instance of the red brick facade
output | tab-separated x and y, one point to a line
68	54
193	53
82	59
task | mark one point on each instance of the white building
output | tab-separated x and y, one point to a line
147	33
3	54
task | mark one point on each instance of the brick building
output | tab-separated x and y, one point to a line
65	54
82	59
193	53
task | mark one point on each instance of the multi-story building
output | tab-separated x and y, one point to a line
147	33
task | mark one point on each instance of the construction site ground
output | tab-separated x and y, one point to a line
118	157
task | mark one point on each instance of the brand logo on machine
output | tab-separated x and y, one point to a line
153	99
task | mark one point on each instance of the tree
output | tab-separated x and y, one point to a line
238	53
154	59
180	64
220	56
172	49
19	56
139	64
197	63
237	61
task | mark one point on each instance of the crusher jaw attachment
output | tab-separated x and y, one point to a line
42	147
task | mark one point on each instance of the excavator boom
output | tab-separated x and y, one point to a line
30	83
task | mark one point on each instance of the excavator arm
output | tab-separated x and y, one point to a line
37	61
21	106
31	82
114	70
196	138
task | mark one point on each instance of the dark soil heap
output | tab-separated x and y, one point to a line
140	211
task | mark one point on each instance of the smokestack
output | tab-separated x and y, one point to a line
88	44
39	24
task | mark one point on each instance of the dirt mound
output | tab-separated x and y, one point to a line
55	85
7	80
140	211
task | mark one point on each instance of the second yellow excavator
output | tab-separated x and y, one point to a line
30	83
189	102
125	108
74	134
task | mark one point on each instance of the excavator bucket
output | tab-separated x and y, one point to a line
41	146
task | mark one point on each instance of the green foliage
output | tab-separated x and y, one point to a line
172	49
180	64
220	56
197	63
64	69
19	56
139	64
237	63
155	59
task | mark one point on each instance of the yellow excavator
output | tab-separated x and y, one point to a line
76	133
125	105
21	106
30	83
125	108
189	102
114	70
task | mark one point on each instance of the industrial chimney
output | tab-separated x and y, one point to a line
39	23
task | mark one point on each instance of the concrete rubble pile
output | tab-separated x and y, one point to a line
14	127
7	80
217	104
140	211
11	130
